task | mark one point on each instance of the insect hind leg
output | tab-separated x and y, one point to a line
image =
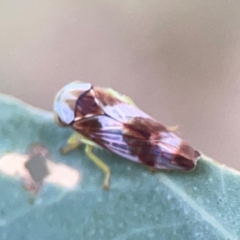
173	128
152	170
100	164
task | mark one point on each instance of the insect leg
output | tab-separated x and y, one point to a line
73	142
100	164
173	128
152	169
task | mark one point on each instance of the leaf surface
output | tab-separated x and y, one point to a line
202	204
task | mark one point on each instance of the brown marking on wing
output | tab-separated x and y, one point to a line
186	156
87	126
184	163
142	135
145	128
140	148
186	150
106	98
86	105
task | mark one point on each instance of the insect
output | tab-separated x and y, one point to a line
101	117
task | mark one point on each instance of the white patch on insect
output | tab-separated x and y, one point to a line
86	116
66	94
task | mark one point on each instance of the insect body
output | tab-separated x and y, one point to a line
102	117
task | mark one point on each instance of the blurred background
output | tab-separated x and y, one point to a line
178	60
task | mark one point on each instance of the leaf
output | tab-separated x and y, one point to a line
202	204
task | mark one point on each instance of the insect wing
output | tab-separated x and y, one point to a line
116	107
107	133
124	112
174	153
157	147
164	151
131	133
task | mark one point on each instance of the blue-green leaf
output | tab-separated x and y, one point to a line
202	204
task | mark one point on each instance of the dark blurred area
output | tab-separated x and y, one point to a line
178	60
